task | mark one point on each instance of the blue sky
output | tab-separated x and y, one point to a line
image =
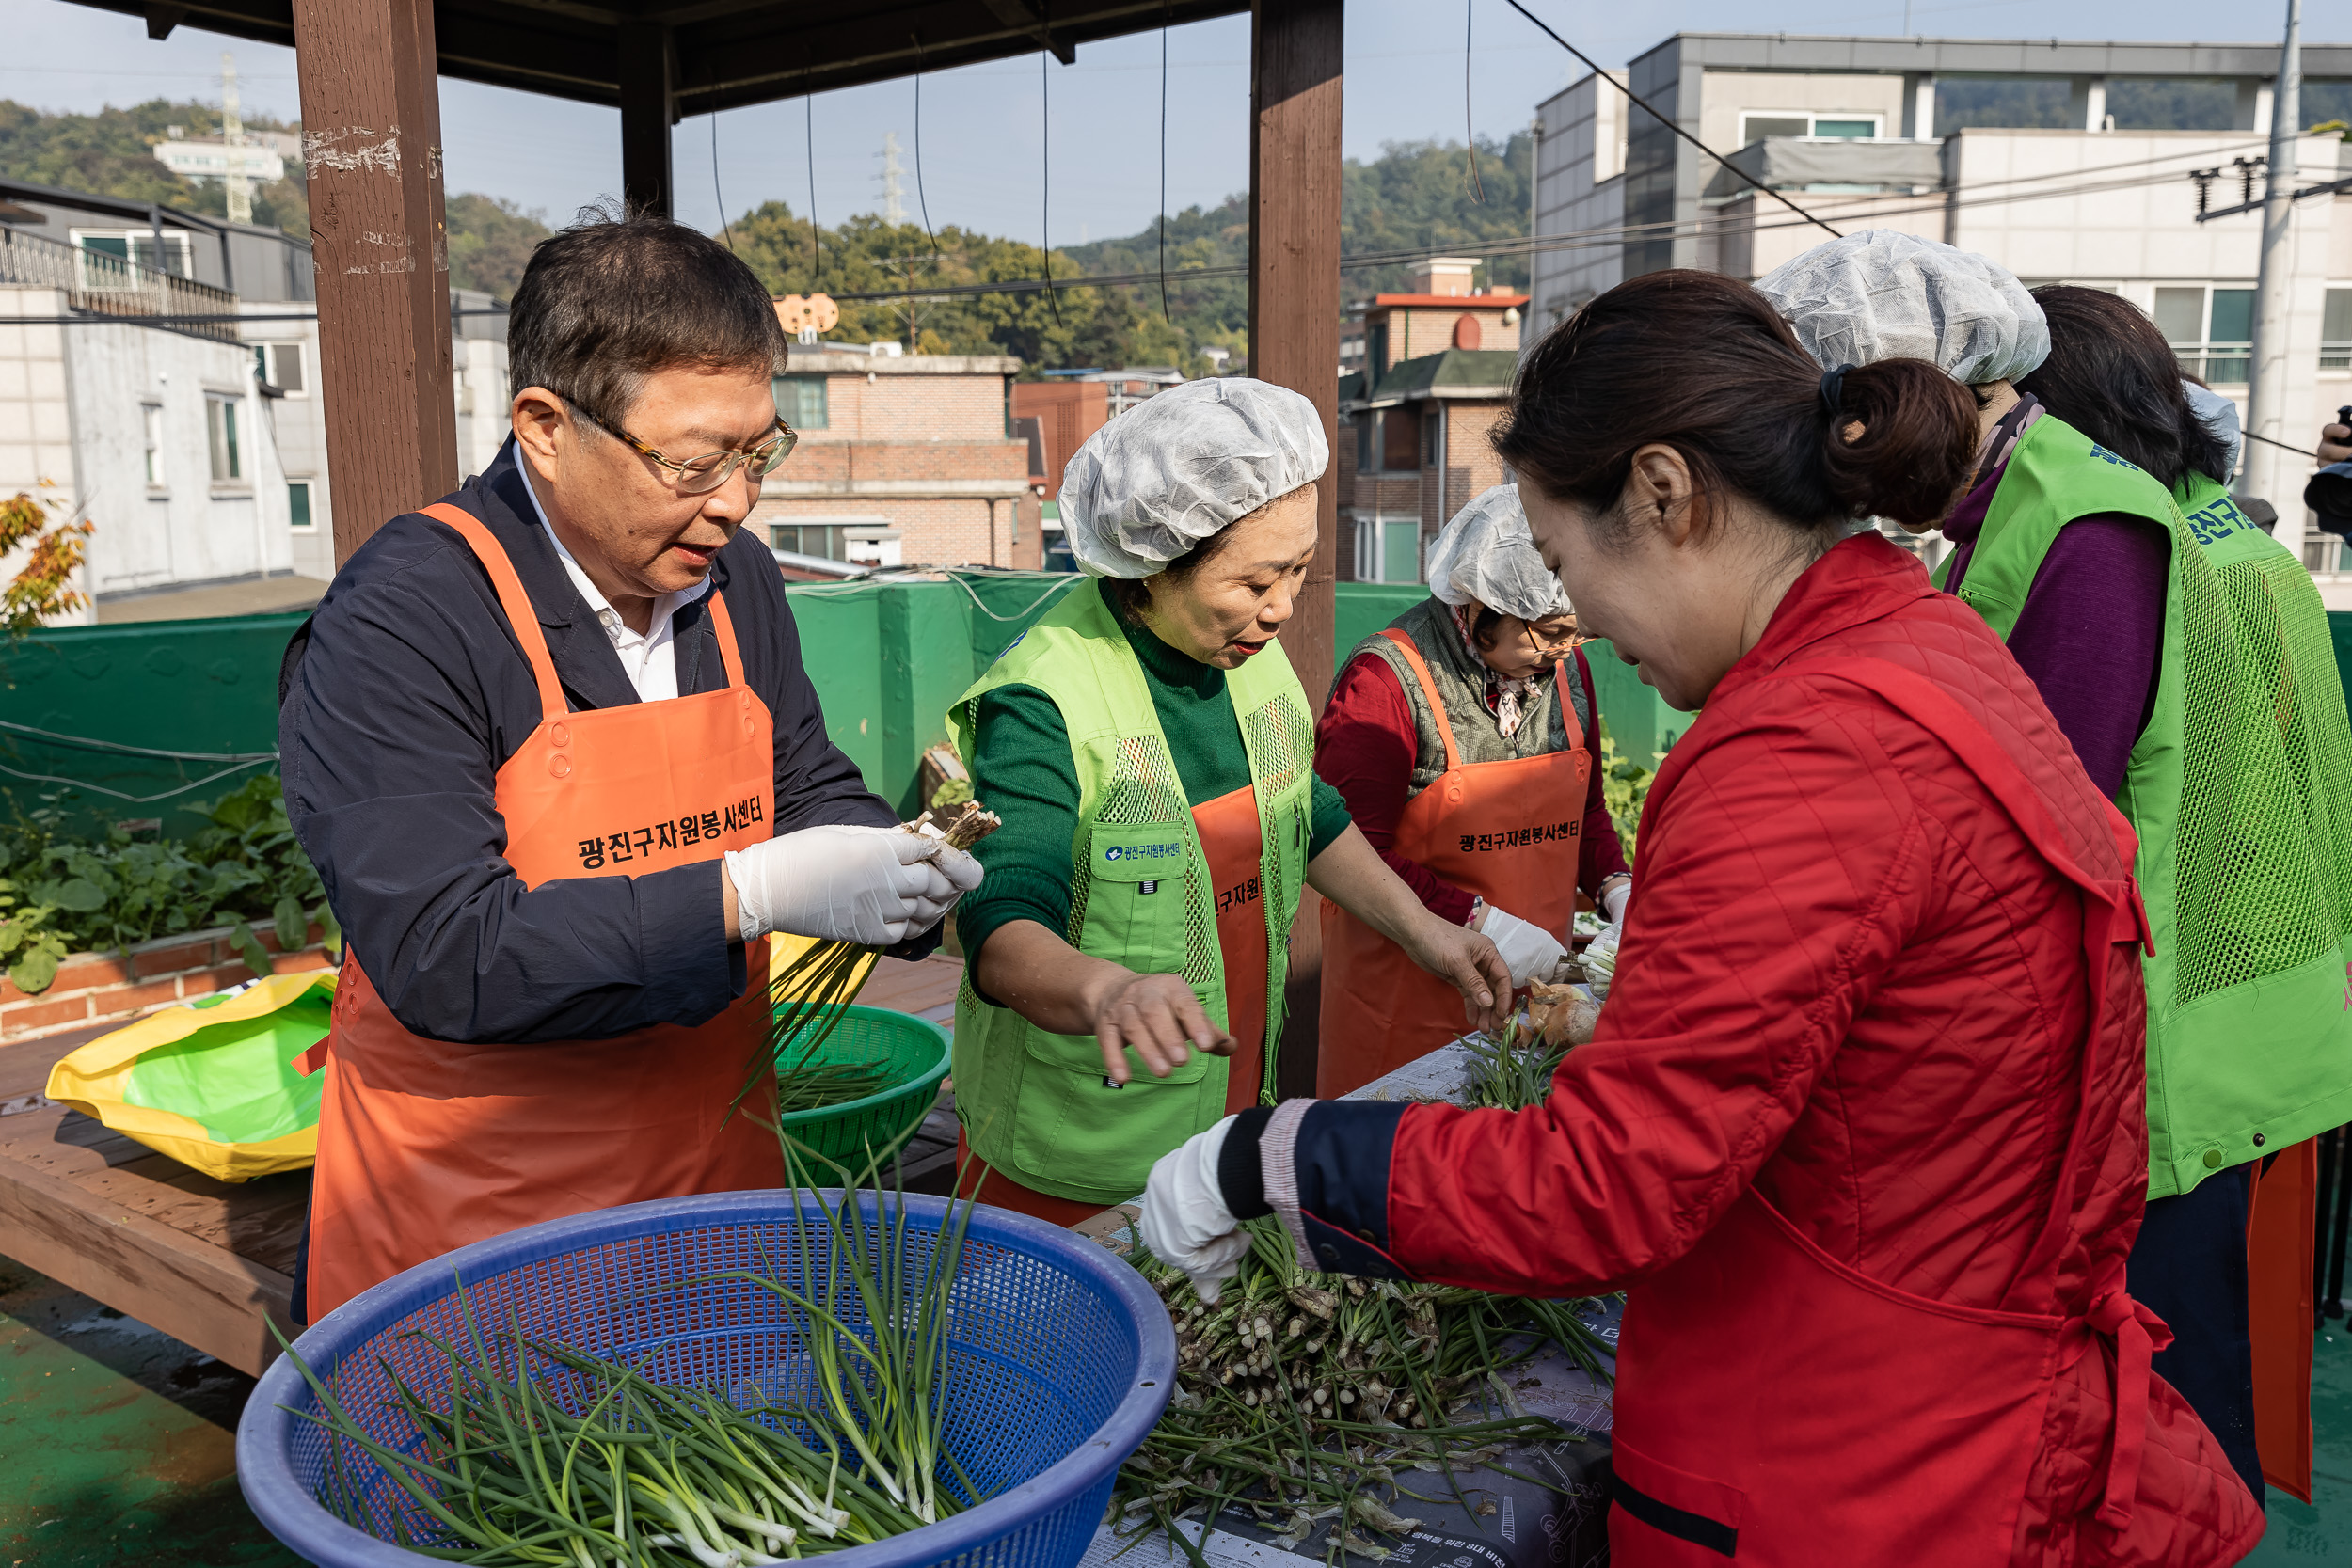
982	136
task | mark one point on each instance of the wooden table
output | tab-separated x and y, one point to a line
210	1263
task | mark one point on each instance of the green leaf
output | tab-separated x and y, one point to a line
292	923
34	970
249	949
325	915
80	895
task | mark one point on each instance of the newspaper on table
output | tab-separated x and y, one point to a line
1543	1504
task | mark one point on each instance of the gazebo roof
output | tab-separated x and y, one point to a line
728	53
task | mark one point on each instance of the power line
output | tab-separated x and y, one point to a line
1623	88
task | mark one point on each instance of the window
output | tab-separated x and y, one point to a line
800	402
298	504
1840	127
2211	329
817	539
1362	424
135	247
279	365
1388	549
152	427
1400	445
2335	331
220	430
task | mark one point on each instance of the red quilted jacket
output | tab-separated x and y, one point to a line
1849	981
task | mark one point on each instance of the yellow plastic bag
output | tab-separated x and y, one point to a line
212	1082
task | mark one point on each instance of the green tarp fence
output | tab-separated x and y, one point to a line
133	722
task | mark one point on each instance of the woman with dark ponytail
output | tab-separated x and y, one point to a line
2262	865
1861	1131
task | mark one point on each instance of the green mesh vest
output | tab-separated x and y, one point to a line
1036	1105
2240	789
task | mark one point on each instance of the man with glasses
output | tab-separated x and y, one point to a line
553	748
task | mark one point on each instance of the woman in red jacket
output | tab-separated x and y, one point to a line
1862	1133
1463	737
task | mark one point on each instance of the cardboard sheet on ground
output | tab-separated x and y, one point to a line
212	1082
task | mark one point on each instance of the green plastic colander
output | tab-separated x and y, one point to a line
913	1051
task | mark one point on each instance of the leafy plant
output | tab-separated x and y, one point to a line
32	952
42	588
1624	787
244	869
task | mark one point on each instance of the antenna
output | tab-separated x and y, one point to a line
239	185
894	208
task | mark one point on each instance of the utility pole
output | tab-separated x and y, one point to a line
240	186
894	207
2262	474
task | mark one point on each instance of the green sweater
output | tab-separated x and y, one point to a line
1023	771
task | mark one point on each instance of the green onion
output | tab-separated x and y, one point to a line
1301	1397
529	1454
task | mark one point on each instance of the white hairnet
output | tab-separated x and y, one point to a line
1488	553
1180	466
1881	295
2219	415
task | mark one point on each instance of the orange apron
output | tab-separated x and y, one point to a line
1232	839
1508	832
428	1144
2284	1203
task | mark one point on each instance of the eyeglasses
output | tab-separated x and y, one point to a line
1560	647
699	476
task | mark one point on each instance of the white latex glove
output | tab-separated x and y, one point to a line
963	872
1600	961
1612	902
1186	1222
1527	947
873	886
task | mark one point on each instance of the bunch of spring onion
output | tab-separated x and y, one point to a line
1513	1069
1303	1397
529	1454
808	997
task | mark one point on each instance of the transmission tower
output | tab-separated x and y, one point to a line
894	207
239	186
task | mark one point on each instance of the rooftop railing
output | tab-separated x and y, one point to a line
108	285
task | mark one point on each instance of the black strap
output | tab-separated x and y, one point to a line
1697	1529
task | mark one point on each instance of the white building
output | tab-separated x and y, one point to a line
1847	129
102	265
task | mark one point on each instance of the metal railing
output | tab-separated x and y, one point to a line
108	285
2218	364
2335	357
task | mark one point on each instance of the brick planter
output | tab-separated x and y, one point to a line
105	988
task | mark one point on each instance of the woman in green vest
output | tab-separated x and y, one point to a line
1151	755
2144	638
2266	895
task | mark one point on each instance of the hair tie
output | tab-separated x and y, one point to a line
1834	392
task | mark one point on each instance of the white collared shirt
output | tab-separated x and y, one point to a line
649	657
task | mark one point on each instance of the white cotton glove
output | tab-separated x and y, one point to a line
1600	961
873	886
1612	902
1186	1222
1527	947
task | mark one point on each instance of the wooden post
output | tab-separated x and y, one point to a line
648	78
1294	342
372	146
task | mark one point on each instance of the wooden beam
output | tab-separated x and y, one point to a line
1294	342
648	74
372	146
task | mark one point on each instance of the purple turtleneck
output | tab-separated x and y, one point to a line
2092	633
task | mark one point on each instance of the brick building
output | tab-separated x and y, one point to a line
904	460
1440	309
1413	453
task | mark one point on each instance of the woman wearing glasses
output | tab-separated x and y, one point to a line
1465	752
551	747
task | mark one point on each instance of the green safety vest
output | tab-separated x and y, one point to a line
1036	1105
2240	789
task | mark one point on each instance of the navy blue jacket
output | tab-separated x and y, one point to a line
401	698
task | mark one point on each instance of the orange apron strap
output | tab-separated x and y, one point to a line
1428	690
724	624
517	604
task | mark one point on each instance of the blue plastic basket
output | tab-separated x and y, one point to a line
1062	1361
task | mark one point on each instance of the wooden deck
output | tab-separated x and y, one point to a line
211	1263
